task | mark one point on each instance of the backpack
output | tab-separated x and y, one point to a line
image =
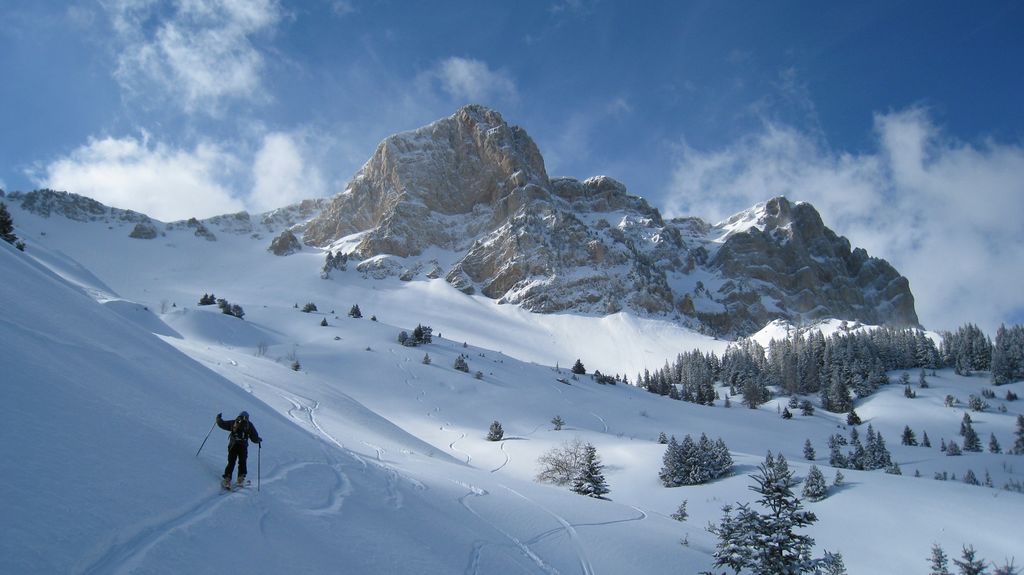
240	430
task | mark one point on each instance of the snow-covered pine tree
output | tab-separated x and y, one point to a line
993	444
970	478
852	418
809	454
768	543
662	438
671	463
721	459
952	449
495	433
925	442
681	514
815	488
832	564
938	562
558	422
6	225
590	481
1018	444
968	564
460	364
971	440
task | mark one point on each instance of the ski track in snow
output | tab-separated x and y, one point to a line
601	419
507	458
451	445
473	567
585	567
126	554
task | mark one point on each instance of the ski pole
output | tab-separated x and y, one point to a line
207	437
259	459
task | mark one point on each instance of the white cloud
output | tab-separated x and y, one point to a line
944	212
162	182
197	53
281	173
472	81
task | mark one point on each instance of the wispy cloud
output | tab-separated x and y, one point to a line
283	174
943	211
196	53
468	80
155	179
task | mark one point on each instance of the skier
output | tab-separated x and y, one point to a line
242	430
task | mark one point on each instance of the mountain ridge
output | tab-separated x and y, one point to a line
468	198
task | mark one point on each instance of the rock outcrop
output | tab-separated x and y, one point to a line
476	188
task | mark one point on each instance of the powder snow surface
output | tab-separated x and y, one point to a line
375	461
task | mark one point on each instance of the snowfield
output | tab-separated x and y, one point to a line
375	461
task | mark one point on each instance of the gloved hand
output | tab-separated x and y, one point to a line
219	416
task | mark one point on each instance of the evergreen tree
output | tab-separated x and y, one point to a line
925	442
426	359
786	414
832	564
806	407
6	225
1018	444
852	418
970	478
460	364
809	454
662	438
590	480
578	368
971	440
671	464
767	543
938	561
952	449
908	436
993	444
323	322
558	422
815	488
681	513
496	432
968	565
354	312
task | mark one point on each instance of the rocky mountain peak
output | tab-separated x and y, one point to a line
474	188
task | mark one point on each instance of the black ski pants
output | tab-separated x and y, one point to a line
237	451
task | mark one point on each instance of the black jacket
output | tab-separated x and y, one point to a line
242	430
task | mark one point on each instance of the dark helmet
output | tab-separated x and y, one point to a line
244	415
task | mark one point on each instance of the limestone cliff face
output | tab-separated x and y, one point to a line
474	190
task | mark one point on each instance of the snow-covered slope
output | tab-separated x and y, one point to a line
376	462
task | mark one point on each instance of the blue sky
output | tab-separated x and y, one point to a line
900	121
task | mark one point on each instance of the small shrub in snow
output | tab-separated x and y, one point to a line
559	465
460	364
558	422
309	307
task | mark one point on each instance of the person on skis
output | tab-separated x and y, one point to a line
242	430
